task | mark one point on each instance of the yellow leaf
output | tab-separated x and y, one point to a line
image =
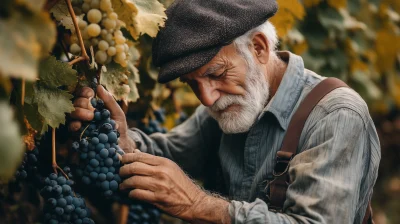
337	4
140	16
387	48
311	3
61	13
300	48
358	65
289	11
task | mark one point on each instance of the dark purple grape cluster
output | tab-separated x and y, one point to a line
154	126
62	205
99	160
182	118
29	165
141	213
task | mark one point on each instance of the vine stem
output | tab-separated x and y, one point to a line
53	154
124	212
23	92
84	55
76	60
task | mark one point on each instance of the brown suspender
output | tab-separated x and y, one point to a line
279	185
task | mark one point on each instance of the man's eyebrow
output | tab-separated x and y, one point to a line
212	69
207	72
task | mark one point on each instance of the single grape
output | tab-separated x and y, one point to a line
111	51
82	24
93	30
95	4
101	57
85	7
109	23
113	16
119	39
94	15
103	45
75	49
105	5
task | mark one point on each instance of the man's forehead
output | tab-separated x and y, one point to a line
202	71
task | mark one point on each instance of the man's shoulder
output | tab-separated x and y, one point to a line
338	99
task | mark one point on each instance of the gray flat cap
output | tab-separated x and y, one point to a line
196	30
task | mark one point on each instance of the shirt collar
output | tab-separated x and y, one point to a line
286	97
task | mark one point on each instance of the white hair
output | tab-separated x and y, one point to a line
243	42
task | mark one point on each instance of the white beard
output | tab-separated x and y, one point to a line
247	108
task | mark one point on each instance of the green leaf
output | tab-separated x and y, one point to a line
115	79
25	39
56	73
12	148
140	16
331	18
61	13
31	112
53	104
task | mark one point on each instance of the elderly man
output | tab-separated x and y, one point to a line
226	52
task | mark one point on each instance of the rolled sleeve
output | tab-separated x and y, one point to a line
326	178
187	144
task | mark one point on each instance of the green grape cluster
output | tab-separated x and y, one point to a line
101	29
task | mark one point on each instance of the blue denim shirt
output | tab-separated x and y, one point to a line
332	177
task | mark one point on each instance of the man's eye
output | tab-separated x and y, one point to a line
218	76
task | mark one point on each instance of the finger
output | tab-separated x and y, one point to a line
139	182
83	103
82	114
141	157
136	168
109	101
75	125
85	92
143	195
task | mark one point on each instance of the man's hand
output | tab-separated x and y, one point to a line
84	112
162	182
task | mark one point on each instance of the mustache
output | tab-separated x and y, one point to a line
225	101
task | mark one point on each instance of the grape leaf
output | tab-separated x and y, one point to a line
140	16
34	118
33	5
29	138
61	13
289	11
115	79
53	104
25	39
56	73
133	79
12	149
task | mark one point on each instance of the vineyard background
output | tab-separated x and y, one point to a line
355	40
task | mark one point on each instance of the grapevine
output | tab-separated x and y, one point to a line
99	151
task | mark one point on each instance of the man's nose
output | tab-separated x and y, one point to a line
207	94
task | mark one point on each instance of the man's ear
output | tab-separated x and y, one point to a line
260	48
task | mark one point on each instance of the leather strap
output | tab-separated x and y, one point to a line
279	185
288	150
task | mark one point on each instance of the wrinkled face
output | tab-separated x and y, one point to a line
233	88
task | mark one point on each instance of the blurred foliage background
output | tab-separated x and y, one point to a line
357	41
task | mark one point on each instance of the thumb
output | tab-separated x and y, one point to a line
109	101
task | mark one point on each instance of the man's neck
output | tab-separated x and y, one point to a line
276	69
